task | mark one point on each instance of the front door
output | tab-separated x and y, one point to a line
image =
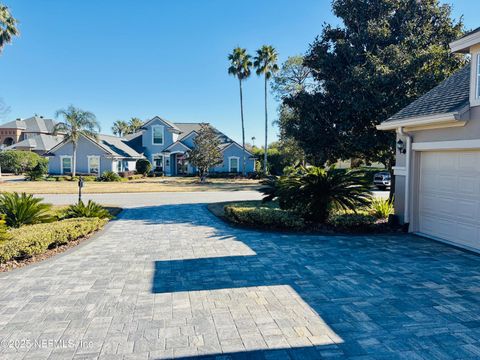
182	165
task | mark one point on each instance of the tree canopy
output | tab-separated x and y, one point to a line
205	153
386	55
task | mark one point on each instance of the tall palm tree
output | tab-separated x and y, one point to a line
120	128
76	123
8	26
134	125
240	65
265	62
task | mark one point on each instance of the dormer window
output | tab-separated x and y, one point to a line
477	78
157	135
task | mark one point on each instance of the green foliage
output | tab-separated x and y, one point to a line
8	26
109	176
120	128
352	222
32	240
4	234
23	209
292	78
385	55
264	217
205	153
39	171
382	208
143	166
80	210
87	178
18	162
281	154
314	192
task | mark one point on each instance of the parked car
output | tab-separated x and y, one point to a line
382	180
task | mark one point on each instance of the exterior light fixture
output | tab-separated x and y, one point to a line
401	147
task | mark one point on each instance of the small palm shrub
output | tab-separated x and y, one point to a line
23	209
109	176
91	210
314	192
382	208
143	166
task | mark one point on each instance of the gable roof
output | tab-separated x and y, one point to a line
450	96
166	122
37	124
38	142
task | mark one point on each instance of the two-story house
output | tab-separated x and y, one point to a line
163	143
437	173
32	134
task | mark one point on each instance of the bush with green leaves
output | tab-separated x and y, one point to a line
143	166
39	171
36	239
109	176
352	222
4	234
382	208
18	162
23	209
91	210
264	217
314	192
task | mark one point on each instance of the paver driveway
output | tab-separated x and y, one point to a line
172	280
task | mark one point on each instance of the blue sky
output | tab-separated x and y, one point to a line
128	58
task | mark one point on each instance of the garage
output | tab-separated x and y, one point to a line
449	196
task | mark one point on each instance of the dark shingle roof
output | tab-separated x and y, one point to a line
117	146
449	96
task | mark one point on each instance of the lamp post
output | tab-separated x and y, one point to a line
80	186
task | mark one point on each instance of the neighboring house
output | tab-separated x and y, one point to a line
163	143
32	134
437	172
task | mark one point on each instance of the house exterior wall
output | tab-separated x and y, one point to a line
84	148
235	151
188	140
147	139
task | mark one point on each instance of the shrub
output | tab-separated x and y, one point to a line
80	210
4	235
352	222
39	171
314	192
382	208
266	217
36	239
126	174
23	209
110	176
18	162
143	166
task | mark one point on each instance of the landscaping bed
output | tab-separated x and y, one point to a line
31	230
268	216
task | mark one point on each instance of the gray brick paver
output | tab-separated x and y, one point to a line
174	281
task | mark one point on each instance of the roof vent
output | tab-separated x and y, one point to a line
19	119
41	116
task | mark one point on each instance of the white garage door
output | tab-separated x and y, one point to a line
449	196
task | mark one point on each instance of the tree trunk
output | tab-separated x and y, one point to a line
74	159
265	168
243	128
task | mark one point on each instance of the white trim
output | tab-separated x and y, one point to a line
153	134
399	170
477	77
464	44
447	145
160	156
230	163
238	145
90	157
178	142
61	163
432	121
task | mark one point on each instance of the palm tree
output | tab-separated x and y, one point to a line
8	26
76	123
134	125
240	65
266	63
120	128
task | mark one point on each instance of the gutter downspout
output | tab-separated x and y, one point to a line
408	150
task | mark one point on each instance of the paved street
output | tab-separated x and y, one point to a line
171	280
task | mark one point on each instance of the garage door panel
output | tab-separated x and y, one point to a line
449	196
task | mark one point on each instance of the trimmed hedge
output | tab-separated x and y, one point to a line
264	217
360	222
32	240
